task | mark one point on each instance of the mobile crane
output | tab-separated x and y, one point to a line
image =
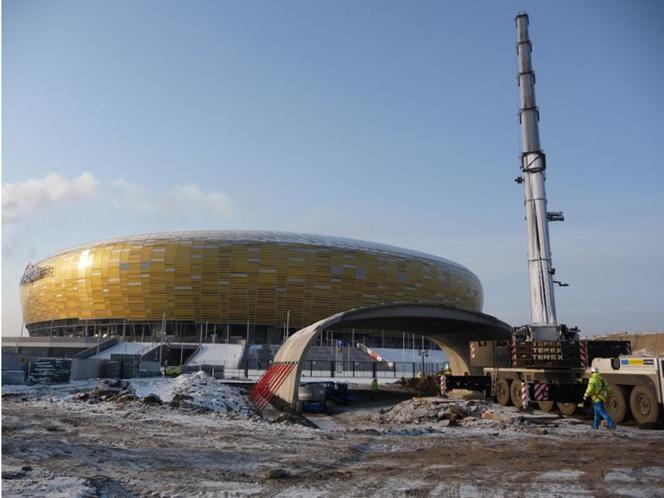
546	362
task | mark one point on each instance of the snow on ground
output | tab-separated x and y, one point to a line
195	390
430	409
51	390
125	348
204	391
44	484
218	354
58	446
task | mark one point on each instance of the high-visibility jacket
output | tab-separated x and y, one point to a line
598	388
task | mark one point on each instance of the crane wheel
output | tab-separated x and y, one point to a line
644	406
566	408
503	392
546	406
617	404
515	393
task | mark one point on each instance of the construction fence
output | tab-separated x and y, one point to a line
251	369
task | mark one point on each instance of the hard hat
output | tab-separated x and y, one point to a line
594	370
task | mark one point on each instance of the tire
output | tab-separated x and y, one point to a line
566	408
617	404
503	392
644	406
546	406
515	393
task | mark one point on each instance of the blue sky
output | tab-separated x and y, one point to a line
394	122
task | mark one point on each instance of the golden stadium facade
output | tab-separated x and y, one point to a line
229	281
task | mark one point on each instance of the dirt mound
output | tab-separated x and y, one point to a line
196	391
199	390
107	390
423	386
293	419
418	410
642	344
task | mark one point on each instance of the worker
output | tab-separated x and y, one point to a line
598	390
374	389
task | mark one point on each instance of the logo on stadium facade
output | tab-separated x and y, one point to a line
34	272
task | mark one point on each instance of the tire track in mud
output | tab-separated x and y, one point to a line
163	452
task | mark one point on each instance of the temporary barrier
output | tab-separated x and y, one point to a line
86	368
269	382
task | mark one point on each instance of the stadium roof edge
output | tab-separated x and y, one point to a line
240	236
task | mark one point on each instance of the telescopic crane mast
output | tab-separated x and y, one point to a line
544	325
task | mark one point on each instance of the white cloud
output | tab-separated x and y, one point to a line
21	199
214	202
181	198
125	195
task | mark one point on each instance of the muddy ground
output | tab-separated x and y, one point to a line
55	446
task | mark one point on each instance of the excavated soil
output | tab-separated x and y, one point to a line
56	446
642	344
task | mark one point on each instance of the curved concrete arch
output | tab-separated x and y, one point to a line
450	328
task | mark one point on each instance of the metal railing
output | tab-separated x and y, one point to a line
252	369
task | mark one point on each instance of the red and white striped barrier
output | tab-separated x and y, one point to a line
541	392
524	395
443	386
269	383
375	356
513	353
583	353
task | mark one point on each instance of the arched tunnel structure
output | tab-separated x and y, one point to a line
450	328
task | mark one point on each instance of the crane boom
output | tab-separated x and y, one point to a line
533	167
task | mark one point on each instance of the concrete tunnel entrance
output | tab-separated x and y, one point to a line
450	328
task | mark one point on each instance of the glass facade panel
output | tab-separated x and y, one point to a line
238	277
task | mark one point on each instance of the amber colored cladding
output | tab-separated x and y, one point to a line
238	277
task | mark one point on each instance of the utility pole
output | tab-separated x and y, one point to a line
124	323
20	337
287	323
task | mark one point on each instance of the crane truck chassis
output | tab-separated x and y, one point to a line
554	374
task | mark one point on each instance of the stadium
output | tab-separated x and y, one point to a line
225	286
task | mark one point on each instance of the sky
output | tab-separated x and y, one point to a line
387	121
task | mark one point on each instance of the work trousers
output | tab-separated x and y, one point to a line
600	413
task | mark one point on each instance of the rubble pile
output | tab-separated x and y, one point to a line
423	386
199	390
196	391
107	390
419	410
292	419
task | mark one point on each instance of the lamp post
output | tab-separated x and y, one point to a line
424	353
